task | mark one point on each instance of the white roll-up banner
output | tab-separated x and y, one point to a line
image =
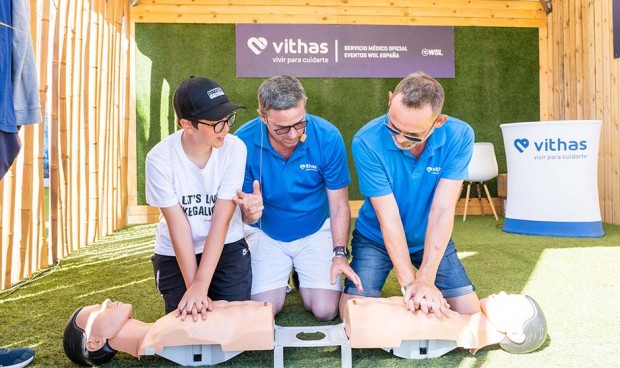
552	178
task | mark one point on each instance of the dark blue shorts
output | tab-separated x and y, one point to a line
231	281
373	264
9	147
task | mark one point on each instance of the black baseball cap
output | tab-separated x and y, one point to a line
203	98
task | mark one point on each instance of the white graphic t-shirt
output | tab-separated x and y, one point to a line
172	178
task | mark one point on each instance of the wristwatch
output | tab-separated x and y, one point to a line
403	289
341	252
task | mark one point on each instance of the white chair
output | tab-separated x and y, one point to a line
482	167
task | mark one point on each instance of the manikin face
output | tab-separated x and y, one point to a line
419	123
278	119
507	313
103	321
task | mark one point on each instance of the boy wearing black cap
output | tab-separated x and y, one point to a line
192	177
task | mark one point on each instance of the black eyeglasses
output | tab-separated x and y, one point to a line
409	137
284	130
218	126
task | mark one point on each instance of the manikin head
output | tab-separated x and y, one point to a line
519	317
89	329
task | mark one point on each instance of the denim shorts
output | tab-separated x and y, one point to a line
372	264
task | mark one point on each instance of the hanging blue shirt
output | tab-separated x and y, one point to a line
8	123
294	190
383	168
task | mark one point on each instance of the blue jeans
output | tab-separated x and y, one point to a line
372	264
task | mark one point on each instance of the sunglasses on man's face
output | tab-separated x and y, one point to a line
284	130
218	126
388	124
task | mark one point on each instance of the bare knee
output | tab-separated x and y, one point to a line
324	312
322	303
275	297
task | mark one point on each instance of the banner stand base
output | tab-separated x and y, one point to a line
592	229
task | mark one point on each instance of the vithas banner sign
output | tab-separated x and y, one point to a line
343	51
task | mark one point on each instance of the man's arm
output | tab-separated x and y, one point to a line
340	215
195	299
438	231
394	236
340	221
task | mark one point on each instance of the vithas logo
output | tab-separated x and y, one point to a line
551	145
257	44
522	144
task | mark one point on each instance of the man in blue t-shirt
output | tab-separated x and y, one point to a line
411	163
295	195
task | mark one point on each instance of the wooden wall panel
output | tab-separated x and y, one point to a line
583	84
82	45
23	245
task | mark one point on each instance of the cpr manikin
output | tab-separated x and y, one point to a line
516	322
95	333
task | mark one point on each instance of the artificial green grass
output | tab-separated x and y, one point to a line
574	280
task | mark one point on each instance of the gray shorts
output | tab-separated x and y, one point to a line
272	260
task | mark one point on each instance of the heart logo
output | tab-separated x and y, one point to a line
521	144
429	169
257	44
302	166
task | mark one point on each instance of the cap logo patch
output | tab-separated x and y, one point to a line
215	92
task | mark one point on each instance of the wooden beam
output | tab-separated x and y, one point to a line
384	12
149	215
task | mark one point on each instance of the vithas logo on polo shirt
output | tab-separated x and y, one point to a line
434	170
308	167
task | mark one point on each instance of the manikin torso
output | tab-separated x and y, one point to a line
385	322
233	325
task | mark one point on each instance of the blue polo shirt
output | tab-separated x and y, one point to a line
294	190
383	168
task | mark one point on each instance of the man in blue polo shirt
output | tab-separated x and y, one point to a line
300	211
411	163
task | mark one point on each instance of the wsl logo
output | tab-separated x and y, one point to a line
550	145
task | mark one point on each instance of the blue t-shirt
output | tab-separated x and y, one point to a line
383	168
294	190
